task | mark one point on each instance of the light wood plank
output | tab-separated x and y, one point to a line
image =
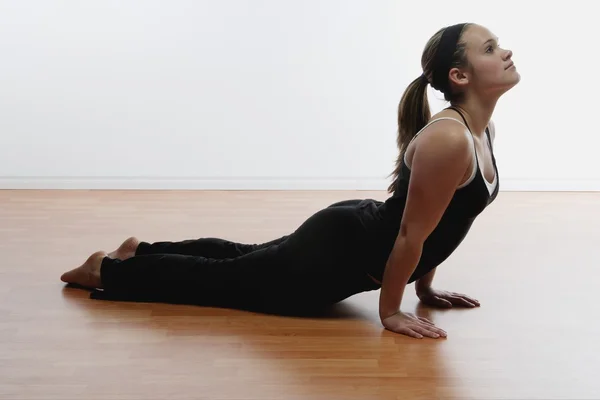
531	260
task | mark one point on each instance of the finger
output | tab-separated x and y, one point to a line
474	301
434	328
431	326
441	302
460	301
425	320
468	298
410	332
427	331
439	331
404	330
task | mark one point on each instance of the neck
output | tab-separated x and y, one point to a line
478	113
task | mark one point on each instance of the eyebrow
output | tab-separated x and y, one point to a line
491	40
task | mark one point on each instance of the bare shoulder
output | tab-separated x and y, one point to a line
443	152
441	142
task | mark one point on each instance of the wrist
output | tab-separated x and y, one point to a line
422	288
386	314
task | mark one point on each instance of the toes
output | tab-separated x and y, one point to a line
66	277
131	244
72	276
126	250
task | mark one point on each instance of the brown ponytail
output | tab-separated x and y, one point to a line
413	111
413	114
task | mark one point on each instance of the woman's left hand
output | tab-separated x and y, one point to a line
445	299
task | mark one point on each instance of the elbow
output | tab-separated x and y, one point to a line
407	248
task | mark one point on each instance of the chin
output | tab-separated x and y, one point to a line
514	82
515	79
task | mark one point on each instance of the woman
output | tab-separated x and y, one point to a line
445	176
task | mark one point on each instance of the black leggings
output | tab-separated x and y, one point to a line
321	263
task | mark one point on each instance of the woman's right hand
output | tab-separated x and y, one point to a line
411	325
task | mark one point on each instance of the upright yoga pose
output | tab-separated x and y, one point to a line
445	177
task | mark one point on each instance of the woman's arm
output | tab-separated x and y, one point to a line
440	162
424	283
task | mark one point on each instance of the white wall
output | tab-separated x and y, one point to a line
272	94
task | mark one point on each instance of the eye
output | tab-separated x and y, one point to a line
491	47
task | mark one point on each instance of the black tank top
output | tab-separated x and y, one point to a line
466	204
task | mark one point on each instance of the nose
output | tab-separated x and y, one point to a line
509	55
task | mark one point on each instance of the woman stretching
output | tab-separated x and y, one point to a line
445	176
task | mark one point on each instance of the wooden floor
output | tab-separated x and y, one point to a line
532	260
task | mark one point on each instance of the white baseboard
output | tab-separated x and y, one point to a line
176	183
547	185
309	183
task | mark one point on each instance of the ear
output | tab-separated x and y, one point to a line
458	77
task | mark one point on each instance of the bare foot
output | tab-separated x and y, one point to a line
88	274
126	250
